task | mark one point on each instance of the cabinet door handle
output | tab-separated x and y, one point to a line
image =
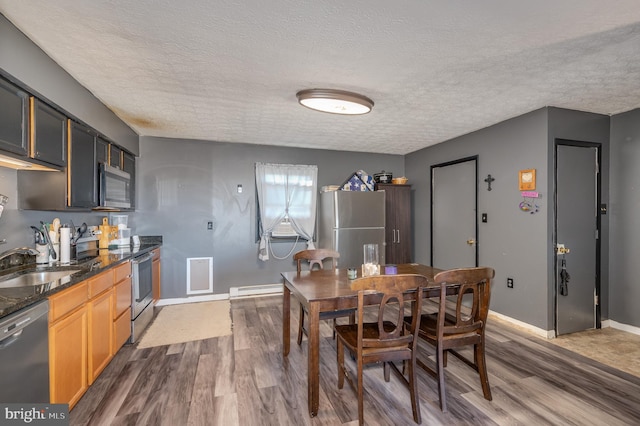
398	239
393	232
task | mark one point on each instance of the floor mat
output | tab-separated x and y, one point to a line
187	322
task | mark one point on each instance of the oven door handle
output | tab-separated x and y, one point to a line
142	259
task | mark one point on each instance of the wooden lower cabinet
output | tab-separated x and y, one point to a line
100	333
121	330
88	324
68	349
122	306
155	265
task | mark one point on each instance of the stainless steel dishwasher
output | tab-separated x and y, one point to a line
24	355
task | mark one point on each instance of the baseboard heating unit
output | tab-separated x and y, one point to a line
254	290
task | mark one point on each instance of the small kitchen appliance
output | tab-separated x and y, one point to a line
382	177
122	233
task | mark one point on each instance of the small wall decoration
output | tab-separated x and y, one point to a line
529	202
489	179
527	180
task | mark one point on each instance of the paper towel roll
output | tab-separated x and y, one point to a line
65	245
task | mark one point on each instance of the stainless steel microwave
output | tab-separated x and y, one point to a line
115	187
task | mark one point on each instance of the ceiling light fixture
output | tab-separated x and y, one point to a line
335	101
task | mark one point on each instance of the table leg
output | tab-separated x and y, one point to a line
286	321
313	374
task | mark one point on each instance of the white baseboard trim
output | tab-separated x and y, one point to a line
192	299
619	326
234	293
547	334
255	290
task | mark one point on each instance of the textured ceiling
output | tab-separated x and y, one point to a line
228	70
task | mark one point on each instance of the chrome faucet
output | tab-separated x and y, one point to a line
20	250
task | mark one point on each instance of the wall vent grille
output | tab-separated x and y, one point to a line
199	275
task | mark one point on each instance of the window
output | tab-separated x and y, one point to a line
287	196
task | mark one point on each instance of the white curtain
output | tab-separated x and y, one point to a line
286	191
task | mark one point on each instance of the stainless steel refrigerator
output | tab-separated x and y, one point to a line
349	219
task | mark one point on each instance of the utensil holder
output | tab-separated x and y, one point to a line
43	254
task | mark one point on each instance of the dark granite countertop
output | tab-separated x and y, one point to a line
88	264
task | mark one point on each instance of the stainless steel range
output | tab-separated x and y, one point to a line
141	294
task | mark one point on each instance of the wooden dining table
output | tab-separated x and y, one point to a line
327	290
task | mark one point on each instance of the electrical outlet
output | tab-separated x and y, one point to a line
210	226
510	282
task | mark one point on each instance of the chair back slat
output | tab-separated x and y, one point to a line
390	333
315	257
475	282
463	317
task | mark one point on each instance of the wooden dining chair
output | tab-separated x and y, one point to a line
465	326
386	340
316	257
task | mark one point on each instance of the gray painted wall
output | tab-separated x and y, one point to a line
21	59
183	184
624	219
516	244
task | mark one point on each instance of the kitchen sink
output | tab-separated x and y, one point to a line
36	278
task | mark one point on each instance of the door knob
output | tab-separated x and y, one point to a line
471	241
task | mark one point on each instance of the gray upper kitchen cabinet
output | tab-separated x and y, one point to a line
49	133
14	118
73	188
76	187
102	151
82	172
115	156
129	166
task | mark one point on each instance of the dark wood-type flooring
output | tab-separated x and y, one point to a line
243	380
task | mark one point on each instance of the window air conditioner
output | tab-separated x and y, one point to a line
283	230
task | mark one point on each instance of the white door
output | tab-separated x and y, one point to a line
453	214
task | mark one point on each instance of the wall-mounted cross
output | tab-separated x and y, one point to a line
489	179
